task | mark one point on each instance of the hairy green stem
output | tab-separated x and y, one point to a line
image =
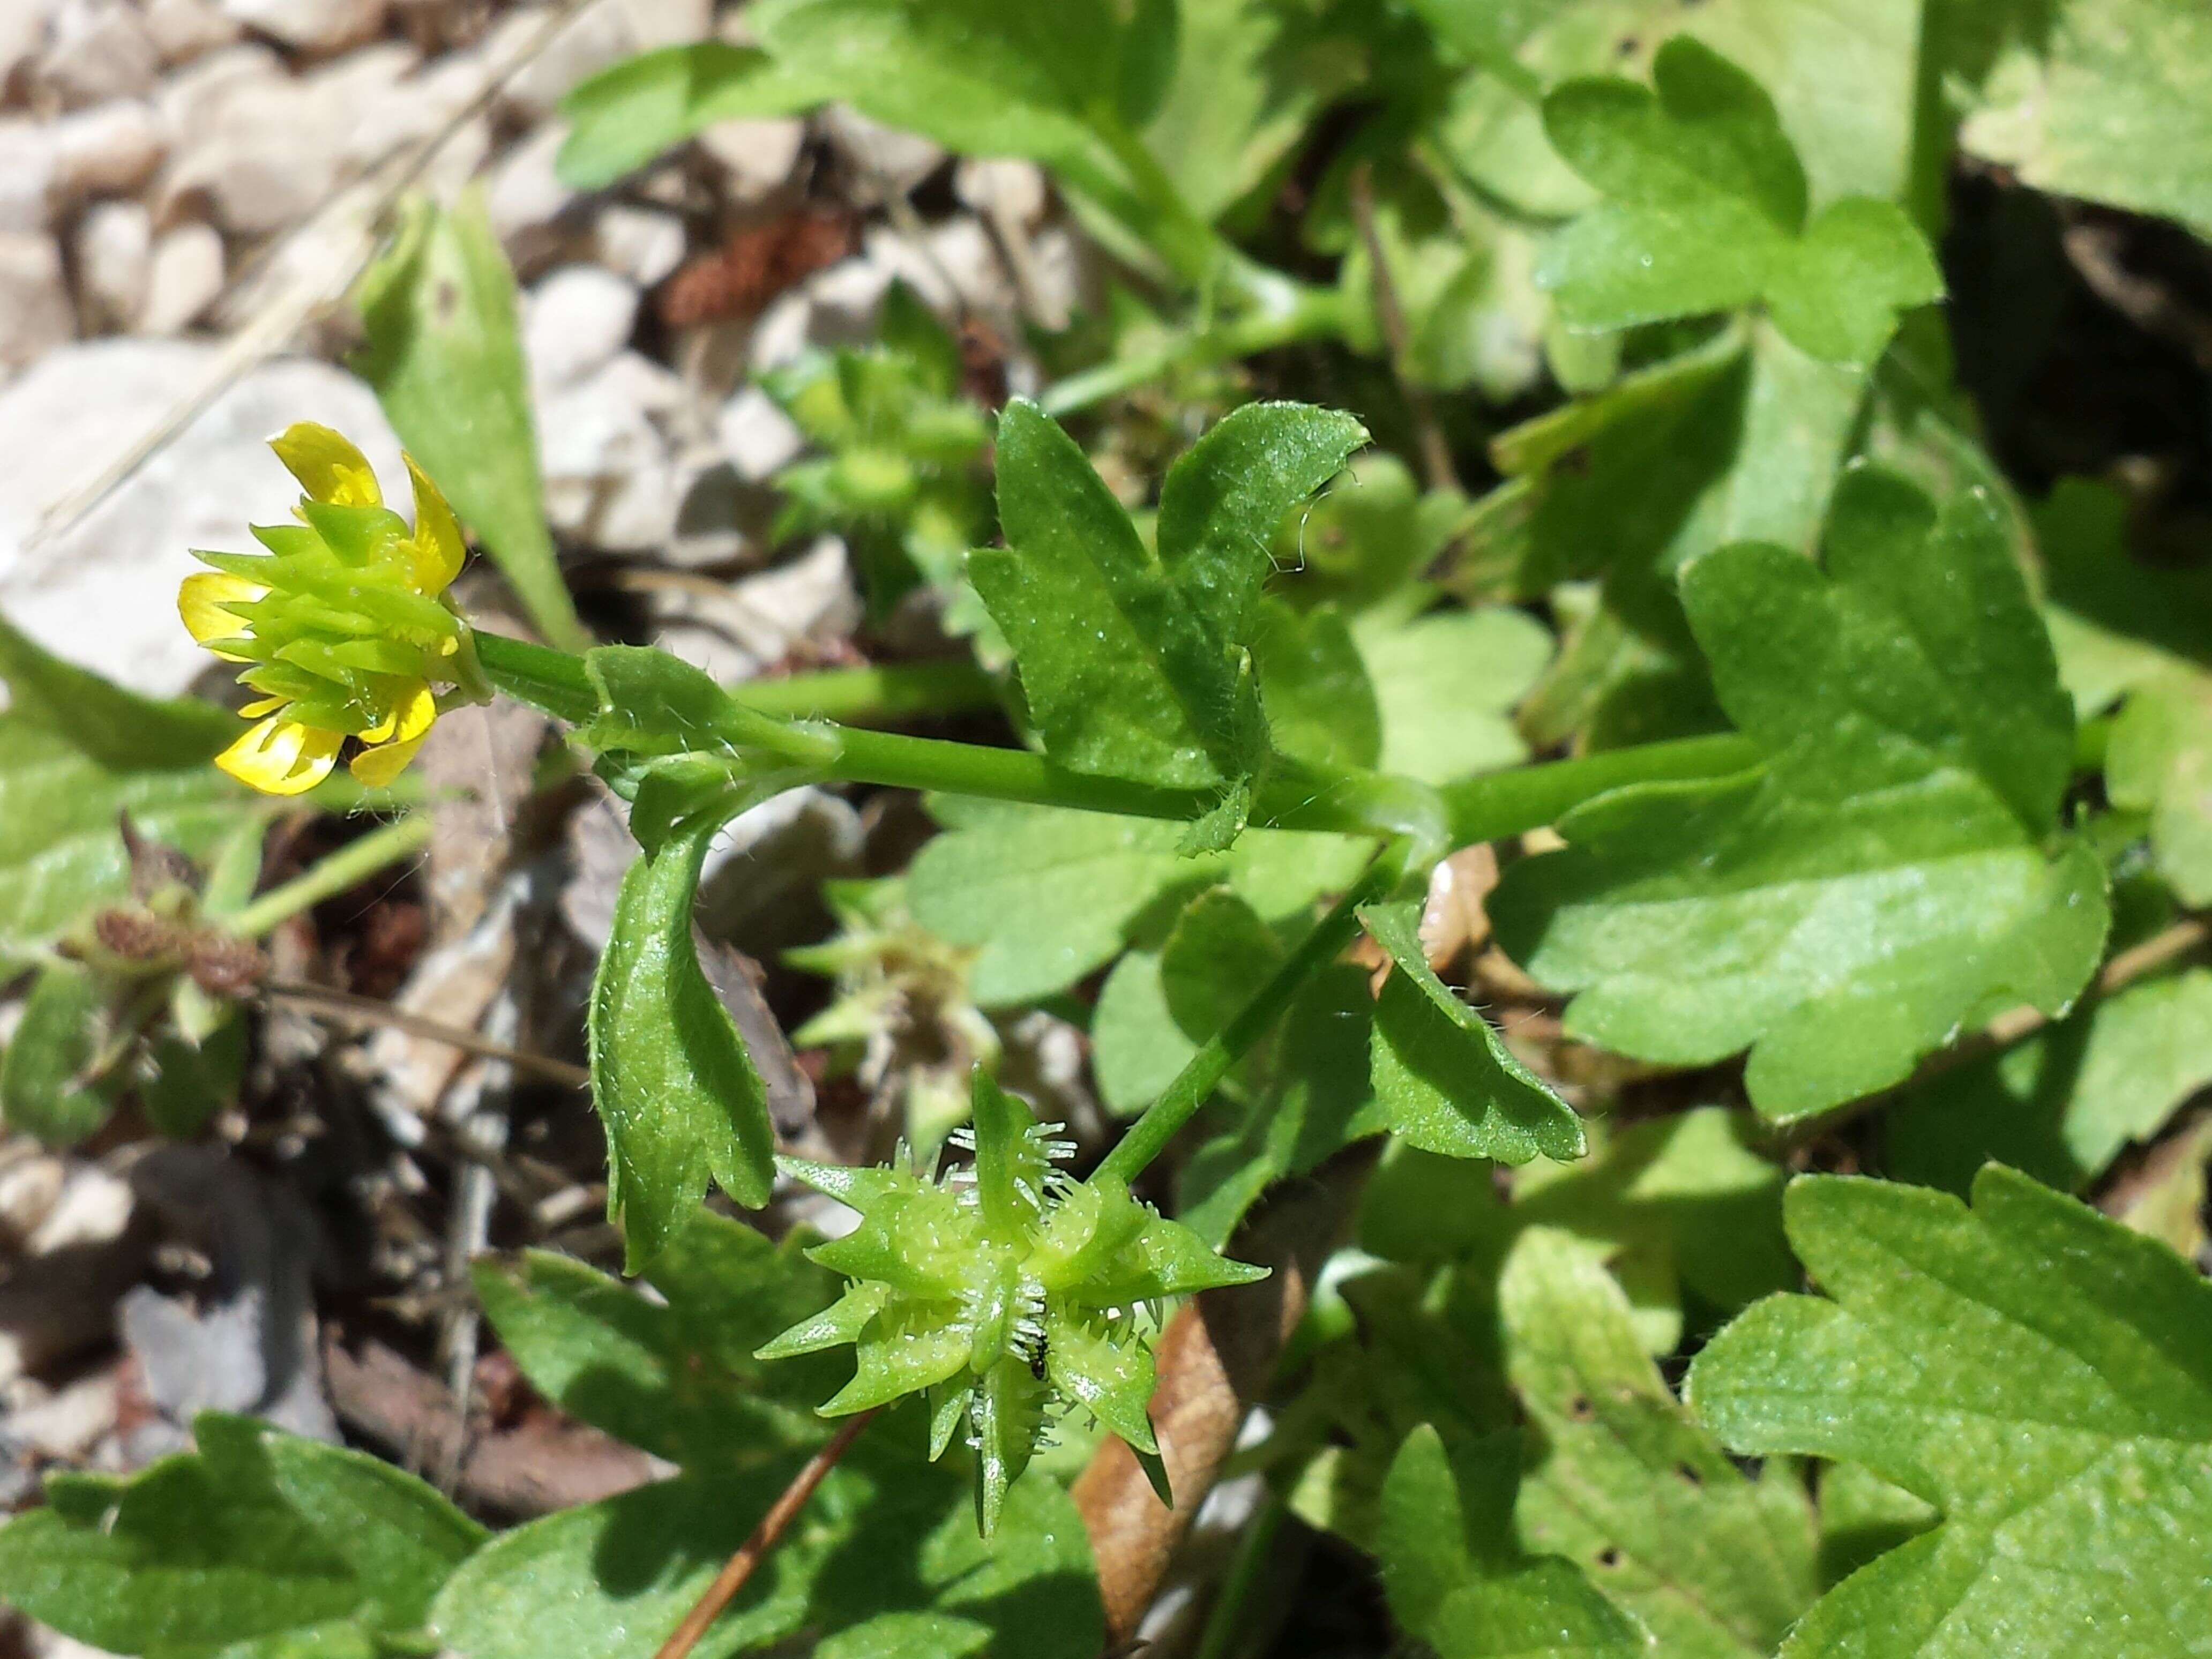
876	695
551	681
1358	802
1194	1085
1460	814
328	877
1190	246
1364	803
556	682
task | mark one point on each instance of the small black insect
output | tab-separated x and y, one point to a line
1036	1361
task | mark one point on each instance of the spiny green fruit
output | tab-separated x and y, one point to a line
1009	1294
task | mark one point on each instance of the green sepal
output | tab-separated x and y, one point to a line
841	1323
849	1184
1112	1380
1168	1259
919	1243
948	1410
1008	1414
907	1350
1009	1167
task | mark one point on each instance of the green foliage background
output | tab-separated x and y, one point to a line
1620	432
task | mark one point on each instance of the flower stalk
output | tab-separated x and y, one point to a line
327	877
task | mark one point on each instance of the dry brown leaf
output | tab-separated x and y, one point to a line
1454	920
545	1463
1214	1357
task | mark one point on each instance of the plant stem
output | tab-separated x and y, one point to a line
556	682
1476	809
1195	1084
546	679
328	877
1497	803
780	1513
326	999
1231	1618
1190	246
1437	469
876	695
1314	313
1365	803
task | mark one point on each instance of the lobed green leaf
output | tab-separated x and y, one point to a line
2061	1105
1048	895
1126	675
1716	1564
1456	1580
1704	210
121	729
985	77
2036	1372
46	1089
2102	99
676	1375
1883	881
62	854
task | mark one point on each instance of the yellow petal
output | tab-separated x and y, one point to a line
200	602
438	546
328	467
407	715
419	709
260	706
281	756
378	765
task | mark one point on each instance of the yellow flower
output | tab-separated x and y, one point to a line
341	623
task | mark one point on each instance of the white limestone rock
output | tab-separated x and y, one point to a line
756	158
1003	185
114	264
596	37
884	158
182	30
23	27
759	439
315	27
578	317
612	479
526	198
35	314
110	150
98	50
645	245
184	277
67	419
26	175
267	157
